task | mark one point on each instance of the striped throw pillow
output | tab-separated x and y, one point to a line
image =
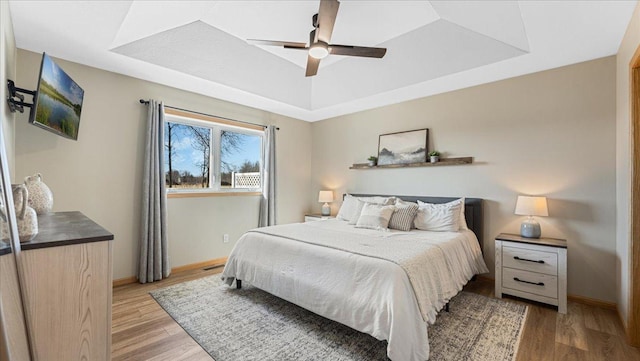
402	218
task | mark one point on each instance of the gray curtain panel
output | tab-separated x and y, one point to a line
268	200
154	252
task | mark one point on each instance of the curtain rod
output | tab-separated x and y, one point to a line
142	101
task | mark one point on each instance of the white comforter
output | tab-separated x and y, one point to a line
368	293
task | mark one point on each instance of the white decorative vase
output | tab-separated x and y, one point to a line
40	196
28	225
25	215
4	225
434	158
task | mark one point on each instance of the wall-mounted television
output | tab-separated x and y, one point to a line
58	101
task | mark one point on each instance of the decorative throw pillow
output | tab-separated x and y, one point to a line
383	201
350	209
402	218
443	217
375	216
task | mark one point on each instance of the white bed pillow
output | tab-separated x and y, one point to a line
443	217
375	216
357	211
385	201
402	218
350	209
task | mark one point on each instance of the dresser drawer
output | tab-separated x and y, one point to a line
530	260
536	283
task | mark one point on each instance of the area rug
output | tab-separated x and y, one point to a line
250	324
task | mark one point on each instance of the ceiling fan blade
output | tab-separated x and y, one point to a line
327	18
286	44
357	51
312	66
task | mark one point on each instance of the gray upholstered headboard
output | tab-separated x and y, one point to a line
472	210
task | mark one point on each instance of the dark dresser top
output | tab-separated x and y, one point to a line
66	228
543	241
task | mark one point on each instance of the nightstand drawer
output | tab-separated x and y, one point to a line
530	260
531	282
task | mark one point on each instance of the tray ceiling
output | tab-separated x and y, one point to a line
433	46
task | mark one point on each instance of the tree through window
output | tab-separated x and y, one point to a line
202	155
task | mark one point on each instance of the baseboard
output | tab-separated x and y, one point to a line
578	299
485	278
627	331
210	263
125	281
623	322
593	302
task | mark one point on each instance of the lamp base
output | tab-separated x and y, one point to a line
530	228
326	209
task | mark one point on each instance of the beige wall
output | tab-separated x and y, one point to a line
550	133
7	71
629	44
100	174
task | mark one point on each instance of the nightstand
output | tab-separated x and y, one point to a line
532	268
315	217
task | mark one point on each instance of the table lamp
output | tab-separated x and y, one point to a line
325	197
531	206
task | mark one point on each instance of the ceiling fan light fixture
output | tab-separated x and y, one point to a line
319	46
319	50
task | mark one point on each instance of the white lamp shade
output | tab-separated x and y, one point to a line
532	206
325	196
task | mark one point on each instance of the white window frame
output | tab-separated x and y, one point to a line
215	173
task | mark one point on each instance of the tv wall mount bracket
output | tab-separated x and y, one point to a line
15	98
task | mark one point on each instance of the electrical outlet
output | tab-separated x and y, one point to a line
225	238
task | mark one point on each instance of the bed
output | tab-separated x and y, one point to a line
389	284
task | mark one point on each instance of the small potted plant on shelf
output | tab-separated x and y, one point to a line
373	160
434	156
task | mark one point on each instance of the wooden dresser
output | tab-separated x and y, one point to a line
68	282
12	326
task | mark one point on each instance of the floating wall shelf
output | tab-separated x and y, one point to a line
442	162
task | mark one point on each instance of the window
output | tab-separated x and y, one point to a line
207	156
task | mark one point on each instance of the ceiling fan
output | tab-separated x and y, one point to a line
320	37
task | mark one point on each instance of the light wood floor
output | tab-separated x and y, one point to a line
585	333
143	331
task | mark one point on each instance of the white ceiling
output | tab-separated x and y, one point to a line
432	46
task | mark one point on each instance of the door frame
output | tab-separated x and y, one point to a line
633	318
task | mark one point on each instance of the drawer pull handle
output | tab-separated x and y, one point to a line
531	283
528	260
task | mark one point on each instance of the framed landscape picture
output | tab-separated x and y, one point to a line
403	147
